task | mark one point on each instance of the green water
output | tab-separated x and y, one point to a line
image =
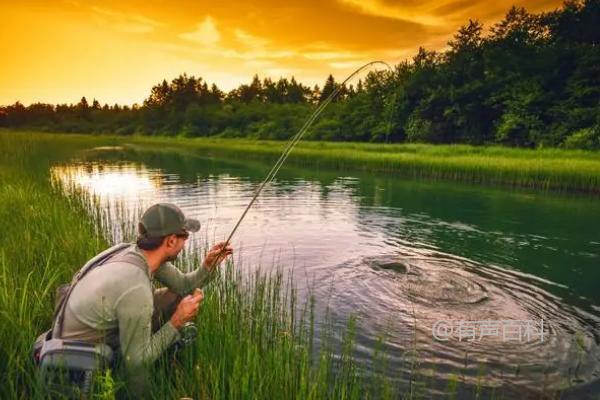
400	255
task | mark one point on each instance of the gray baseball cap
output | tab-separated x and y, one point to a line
164	219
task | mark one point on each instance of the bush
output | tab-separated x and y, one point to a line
418	129
231	133
326	129
516	129
585	139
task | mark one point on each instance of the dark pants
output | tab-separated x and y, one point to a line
165	304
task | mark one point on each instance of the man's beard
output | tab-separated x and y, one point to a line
171	258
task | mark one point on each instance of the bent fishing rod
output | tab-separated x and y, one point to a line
292	143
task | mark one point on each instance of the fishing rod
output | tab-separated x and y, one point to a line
189	331
294	140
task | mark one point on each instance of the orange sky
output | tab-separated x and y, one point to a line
115	50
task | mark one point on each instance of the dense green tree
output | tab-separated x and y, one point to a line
533	80
328	88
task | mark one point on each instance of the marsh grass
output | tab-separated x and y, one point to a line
255	341
545	169
43	235
541	169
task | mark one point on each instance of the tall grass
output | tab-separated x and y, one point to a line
546	169
43	237
255	341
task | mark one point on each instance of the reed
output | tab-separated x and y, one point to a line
539	169
255	340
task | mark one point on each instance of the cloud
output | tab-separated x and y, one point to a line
220	50
132	23
258	64
279	72
401	12
444	16
347	64
139	42
330	55
249	40
206	33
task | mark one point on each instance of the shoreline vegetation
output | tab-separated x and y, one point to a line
558	170
529	80
255	340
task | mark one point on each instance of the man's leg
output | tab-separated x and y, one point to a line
165	304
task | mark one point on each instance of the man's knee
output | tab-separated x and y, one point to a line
165	304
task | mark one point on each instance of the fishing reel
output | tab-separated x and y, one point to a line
189	333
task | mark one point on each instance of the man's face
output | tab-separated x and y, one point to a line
174	245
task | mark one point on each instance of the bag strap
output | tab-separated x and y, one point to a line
131	258
88	266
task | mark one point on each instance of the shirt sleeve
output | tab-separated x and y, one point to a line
179	282
139	346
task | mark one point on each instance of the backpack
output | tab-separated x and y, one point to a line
67	367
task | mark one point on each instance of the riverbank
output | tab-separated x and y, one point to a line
539	169
251	344
45	236
544	169
254	340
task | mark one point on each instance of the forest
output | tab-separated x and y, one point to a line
530	80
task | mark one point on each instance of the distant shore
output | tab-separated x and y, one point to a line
541	169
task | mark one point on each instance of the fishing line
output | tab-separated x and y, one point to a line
296	138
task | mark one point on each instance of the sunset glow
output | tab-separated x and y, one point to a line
114	51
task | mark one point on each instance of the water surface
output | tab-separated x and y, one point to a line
402	256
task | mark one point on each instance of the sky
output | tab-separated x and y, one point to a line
116	50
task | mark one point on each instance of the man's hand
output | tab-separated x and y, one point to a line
187	309
216	255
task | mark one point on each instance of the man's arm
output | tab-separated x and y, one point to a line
139	346
183	284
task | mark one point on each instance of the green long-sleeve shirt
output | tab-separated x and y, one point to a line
113	303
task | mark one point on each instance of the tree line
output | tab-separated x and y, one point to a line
532	80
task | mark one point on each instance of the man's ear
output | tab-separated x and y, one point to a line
171	240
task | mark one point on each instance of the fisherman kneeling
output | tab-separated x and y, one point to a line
111	300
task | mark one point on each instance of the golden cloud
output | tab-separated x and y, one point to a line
116	50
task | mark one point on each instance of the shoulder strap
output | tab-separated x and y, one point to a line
88	266
131	257
99	260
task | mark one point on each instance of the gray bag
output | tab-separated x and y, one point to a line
67	367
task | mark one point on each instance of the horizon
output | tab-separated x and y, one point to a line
136	45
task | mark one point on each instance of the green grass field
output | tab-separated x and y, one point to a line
544	169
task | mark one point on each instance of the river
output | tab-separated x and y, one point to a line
466	280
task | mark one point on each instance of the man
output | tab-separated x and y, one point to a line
115	302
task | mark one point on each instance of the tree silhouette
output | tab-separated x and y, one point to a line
533	80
